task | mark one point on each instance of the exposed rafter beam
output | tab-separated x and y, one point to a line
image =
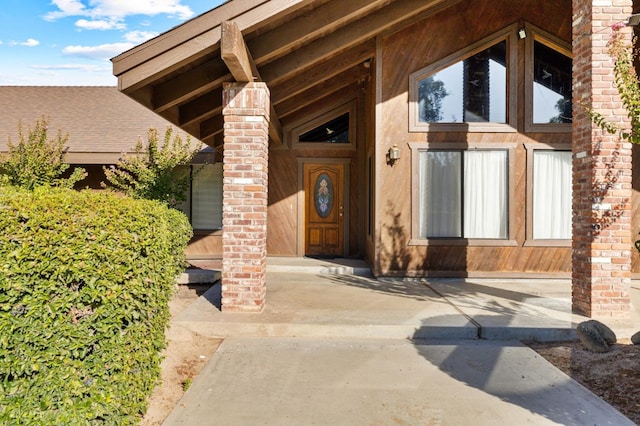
322	89
279	41
314	24
237	57
235	54
324	71
200	108
211	127
207	108
178	73
138	68
181	34
190	84
275	128
343	38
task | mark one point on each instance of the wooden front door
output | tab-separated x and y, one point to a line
324	209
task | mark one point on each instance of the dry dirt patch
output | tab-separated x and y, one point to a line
614	376
184	357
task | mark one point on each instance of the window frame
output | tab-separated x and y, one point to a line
530	148
189	201
507	34
416	240
293	133
535	34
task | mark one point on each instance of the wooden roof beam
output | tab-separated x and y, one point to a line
203	107
322	89
238	59
190	84
312	25
276	42
181	34
195	39
344	38
324	71
211	127
235	54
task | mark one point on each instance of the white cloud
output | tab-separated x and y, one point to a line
29	43
116	10
103	51
66	8
122	8
139	36
73	67
100	24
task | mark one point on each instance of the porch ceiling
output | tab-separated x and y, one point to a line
304	50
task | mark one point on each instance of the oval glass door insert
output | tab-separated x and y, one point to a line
324	195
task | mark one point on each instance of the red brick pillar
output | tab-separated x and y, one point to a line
244	219
602	243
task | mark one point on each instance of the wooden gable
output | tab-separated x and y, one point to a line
302	49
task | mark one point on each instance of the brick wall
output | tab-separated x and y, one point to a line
602	232
244	220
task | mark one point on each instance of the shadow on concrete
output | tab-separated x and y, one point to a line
410	288
214	295
517	375
461	289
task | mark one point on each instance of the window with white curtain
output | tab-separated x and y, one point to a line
204	199
463	194
551	194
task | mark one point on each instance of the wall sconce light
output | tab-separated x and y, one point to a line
393	154
522	34
633	20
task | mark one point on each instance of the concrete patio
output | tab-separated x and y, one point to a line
336	346
339	298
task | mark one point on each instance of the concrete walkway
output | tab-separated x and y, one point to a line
335	346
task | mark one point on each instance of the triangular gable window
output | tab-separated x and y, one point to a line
551	85
332	131
471	90
334	125
468	88
548	96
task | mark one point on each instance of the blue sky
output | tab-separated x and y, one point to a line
70	42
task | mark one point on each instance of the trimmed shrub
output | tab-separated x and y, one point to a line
85	280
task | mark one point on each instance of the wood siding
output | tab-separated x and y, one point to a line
412	49
285	213
205	245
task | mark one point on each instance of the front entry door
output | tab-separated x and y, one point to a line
324	209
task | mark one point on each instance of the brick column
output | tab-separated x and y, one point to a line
601	277
244	218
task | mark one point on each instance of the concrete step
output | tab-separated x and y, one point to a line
199	276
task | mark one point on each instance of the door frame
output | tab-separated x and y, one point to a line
301	231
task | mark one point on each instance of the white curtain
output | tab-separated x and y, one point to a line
206	197
551	194
485	194
440	190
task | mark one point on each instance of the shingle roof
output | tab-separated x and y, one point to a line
102	123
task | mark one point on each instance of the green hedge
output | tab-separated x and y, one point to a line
85	280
